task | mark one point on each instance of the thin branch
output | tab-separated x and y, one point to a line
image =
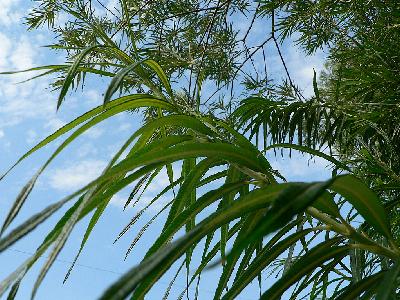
287	71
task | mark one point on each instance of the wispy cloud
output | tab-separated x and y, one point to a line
76	175
30	100
8	13
301	167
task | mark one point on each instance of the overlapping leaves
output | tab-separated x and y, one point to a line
254	211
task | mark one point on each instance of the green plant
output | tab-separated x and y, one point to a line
259	221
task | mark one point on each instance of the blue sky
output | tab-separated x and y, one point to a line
28	114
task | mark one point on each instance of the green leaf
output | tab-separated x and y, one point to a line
207	199
294	198
304	265
14	290
221	151
66	128
233	175
141	278
250	223
315	86
326	204
72	216
117	80
310	151
47	67
135	102
364	200
177	120
139	214
20	272
261	261
14	276
155	265
19	201
161	74
354	290
93	221
387	288
72	71
207	257
29	225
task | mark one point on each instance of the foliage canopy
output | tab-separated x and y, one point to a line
158	55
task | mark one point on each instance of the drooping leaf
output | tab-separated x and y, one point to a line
161	74
326	204
117	80
293	198
19	201
354	290
311	151
304	265
29	225
72	72
364	200
388	286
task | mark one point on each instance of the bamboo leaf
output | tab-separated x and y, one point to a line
117	80
47	67
72	71
14	290
179	220
262	260
19	201
155	265
136	102
142	277
304	265
387	288
354	290
79	120
310	151
29	225
93	221
326	204
315	86
161	74
250	223
364	200
294	198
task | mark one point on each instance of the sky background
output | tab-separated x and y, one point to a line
28	114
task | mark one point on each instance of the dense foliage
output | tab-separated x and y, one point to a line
159	54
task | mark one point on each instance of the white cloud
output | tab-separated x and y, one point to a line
9	13
125	127
54	124
75	176
301	68
23	54
93	97
20	103
301	167
31	136
1	133
5	48
94	132
30	100
87	149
